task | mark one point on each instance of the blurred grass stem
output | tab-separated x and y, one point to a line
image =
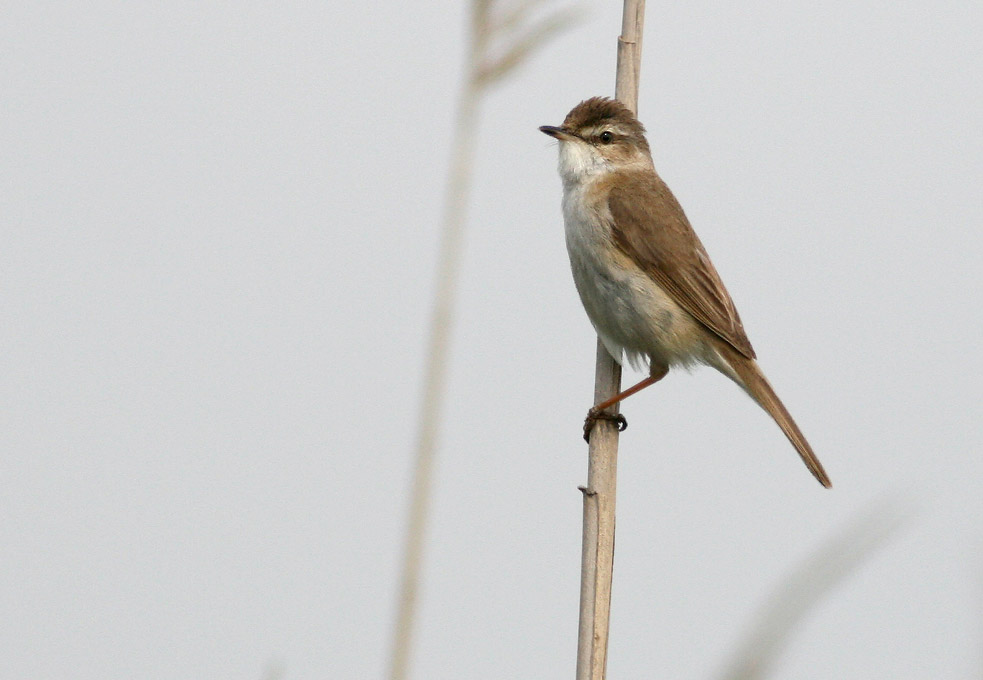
435	378
516	35
808	585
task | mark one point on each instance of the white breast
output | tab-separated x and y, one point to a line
631	313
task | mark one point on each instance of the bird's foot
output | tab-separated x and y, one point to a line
594	415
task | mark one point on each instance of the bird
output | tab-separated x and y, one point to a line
643	276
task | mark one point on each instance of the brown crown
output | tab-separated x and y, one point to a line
598	110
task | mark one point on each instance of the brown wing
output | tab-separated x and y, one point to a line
651	228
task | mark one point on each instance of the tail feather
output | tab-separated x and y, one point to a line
750	377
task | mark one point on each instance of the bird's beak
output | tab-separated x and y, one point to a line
557	132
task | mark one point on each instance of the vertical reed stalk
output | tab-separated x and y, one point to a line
597	557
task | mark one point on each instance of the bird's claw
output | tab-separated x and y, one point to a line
593	416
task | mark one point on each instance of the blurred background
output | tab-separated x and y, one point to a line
219	228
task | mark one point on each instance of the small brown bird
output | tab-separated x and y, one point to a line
643	276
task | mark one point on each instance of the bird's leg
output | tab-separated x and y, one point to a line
657	373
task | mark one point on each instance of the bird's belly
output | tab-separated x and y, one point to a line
631	313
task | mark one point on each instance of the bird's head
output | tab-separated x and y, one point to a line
598	136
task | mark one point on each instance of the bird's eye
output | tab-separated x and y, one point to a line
606	136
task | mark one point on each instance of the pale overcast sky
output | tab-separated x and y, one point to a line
219	228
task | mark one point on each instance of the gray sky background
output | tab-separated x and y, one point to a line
219	235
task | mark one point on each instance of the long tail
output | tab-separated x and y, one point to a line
750	377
